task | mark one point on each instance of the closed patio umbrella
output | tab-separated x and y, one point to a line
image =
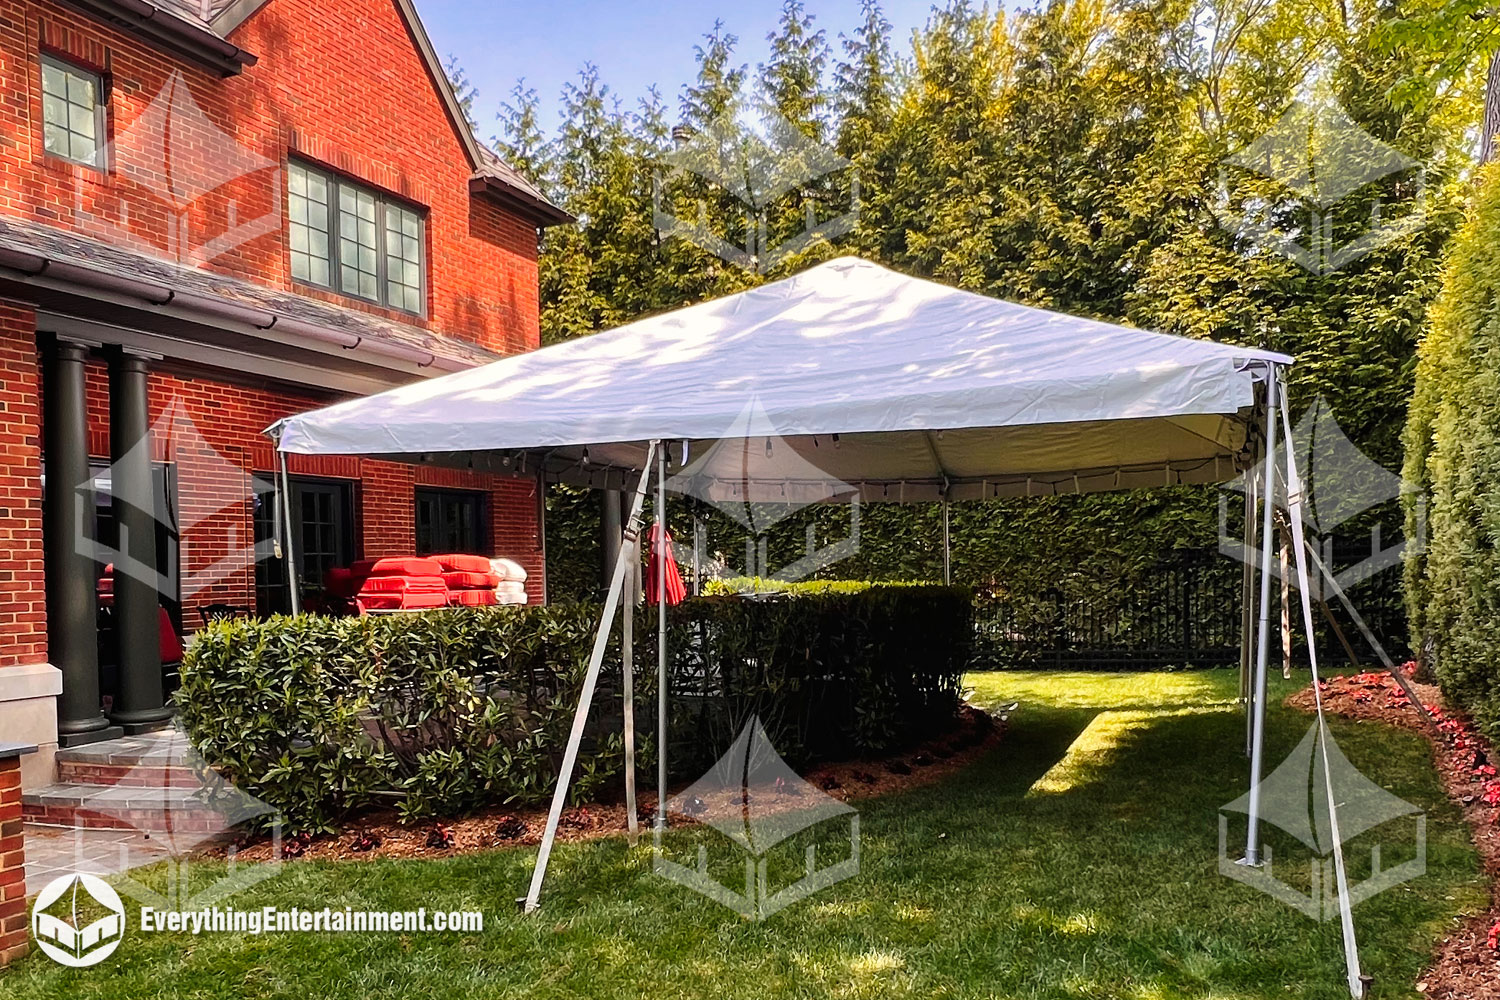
659	561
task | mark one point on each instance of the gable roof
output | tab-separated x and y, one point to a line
206	24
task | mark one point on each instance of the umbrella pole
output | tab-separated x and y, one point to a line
1247	599
660	553
288	556
1356	981
586	696
1262	650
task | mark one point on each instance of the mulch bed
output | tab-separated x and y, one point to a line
380	834
1467	963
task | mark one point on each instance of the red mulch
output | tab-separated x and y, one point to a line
1467	963
380	834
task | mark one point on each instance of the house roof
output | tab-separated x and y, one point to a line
39	250
201	28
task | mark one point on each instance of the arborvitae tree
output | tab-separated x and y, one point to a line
463	88
521	140
863	84
791	81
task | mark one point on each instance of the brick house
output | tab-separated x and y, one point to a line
213	214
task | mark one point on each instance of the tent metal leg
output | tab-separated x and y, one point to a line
586	696
289	550
1263	636
627	692
660	553
1247	600
1355	980
947	547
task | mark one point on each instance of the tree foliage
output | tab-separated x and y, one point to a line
1072	156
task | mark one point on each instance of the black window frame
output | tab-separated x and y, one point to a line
336	186
442	496
101	110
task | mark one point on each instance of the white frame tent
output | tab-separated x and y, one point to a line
887	387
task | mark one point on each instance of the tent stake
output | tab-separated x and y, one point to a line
1262	650
586	696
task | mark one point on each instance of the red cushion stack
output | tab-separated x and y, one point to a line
469	580
399	584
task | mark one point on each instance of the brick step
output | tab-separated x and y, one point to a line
121	807
76	772
150	760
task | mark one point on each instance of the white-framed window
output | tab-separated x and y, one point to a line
72	112
351	239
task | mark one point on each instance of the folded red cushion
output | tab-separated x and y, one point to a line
403	585
460	563
472	598
471	581
398	566
402	602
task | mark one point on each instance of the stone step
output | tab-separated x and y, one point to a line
162	809
149	760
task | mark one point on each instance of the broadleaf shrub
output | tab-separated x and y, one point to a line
448	711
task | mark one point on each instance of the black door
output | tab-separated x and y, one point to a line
322	538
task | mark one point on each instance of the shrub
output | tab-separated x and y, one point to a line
446	711
1453	456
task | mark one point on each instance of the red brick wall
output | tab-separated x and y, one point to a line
211	432
23	599
13	933
339	82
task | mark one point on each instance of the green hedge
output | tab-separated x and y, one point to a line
1453	457
447	711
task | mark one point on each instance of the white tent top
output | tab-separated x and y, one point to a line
903	388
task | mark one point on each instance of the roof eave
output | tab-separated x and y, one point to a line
538	210
162	30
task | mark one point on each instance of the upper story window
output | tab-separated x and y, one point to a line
72	112
354	240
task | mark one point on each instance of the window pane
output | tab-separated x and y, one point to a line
403	260
54	80
307	210
70	112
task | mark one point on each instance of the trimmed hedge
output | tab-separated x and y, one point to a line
447	711
1453	457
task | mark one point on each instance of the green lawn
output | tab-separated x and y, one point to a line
1078	860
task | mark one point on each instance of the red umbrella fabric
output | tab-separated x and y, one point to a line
655	565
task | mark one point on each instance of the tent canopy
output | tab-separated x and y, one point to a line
897	388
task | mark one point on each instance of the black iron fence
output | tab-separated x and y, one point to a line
1184	612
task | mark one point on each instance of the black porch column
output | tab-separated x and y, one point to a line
140	704
68	543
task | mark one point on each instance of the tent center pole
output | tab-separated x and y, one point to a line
1263	636
660	550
